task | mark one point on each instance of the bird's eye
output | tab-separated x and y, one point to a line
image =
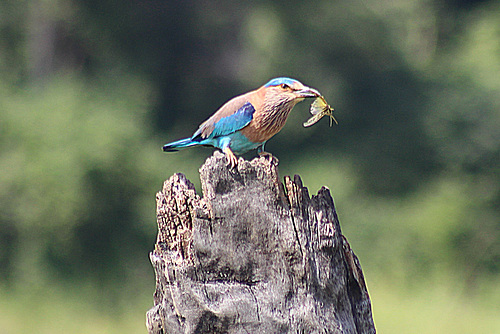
284	86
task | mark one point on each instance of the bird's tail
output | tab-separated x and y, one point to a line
179	144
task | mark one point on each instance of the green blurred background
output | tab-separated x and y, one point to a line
91	89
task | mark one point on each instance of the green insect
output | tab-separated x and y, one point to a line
320	108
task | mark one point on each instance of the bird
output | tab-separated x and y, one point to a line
246	122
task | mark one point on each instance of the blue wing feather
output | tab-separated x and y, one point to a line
229	124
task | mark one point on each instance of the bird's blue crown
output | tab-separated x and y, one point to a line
280	81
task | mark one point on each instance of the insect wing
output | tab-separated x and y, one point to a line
319	109
318	105
313	120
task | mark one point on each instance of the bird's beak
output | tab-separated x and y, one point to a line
307	92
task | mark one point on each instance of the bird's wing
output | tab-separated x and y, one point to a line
226	121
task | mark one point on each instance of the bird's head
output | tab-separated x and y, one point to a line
286	90
277	99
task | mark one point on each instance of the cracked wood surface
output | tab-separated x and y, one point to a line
253	255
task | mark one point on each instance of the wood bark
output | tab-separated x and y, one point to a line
253	255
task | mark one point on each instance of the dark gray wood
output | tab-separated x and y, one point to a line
253	255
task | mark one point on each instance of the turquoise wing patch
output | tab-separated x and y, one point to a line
230	124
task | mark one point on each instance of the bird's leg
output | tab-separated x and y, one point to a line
231	158
263	153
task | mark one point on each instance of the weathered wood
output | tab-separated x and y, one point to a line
253	256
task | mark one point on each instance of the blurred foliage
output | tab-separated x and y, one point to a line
90	90
73	170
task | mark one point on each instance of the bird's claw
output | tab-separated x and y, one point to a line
266	155
232	161
269	157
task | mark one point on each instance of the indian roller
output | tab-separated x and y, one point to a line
248	121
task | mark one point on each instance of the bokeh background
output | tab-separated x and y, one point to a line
91	89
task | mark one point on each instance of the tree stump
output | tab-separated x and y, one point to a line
253	256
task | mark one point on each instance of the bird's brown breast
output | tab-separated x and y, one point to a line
267	122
